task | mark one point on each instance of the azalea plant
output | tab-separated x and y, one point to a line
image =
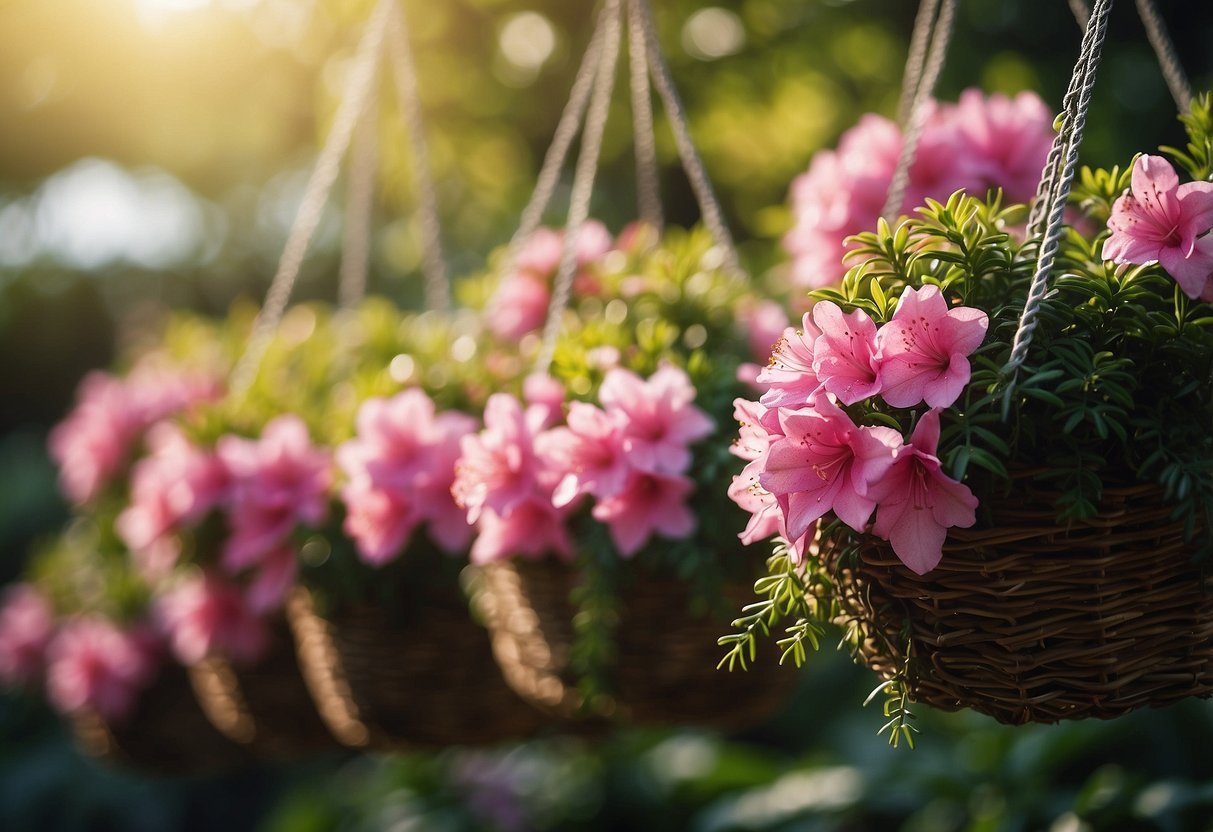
981	142
882	414
605	460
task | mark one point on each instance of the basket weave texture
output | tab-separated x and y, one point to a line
1030	622
167	734
266	705
668	678
425	680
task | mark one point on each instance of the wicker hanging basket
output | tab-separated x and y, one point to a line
399	679
1030	622
265	706
668	679
167	734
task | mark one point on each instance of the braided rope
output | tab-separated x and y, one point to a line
648	194
558	150
916	57
1082	14
433	263
705	195
1168	59
583	181
925	87
360	190
1067	142
315	194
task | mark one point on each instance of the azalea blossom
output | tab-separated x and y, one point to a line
924	349
658	419
175	486
27	624
1161	221
497	468
846	355
206	615
533	528
588	454
649	504
400	468
94	663
825	462
789	377
278	481
916	502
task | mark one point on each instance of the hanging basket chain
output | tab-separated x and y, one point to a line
924	89
705	195
558	151
916	56
648	191
1065	147
1168	58
315	195
356	241
583	181
433	264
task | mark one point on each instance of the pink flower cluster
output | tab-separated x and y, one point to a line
520	476
265	487
27	624
94	443
94	663
807	457
979	143
1161	221
400	468
520	304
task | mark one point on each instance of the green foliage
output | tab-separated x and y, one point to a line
1198	122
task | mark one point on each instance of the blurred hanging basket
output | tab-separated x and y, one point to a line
415	675
1029	621
166	734
264	705
664	663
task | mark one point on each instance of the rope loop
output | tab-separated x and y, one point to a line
1061	165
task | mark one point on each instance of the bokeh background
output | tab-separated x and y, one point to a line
152	152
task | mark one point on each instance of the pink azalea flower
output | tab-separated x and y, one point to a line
175	486
207	615
278	481
765	517
1160	221
272	580
845	355
400	469
649	504
924	349
27	623
379	521
764	322
753	437
588	454
497	469
544	396
825	462
1007	139
917	503
94	442
658	419
789	376
92	663
532	528
519	306
91	445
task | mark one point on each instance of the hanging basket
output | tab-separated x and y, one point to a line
665	664
1027	621
167	734
422	678
265	706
